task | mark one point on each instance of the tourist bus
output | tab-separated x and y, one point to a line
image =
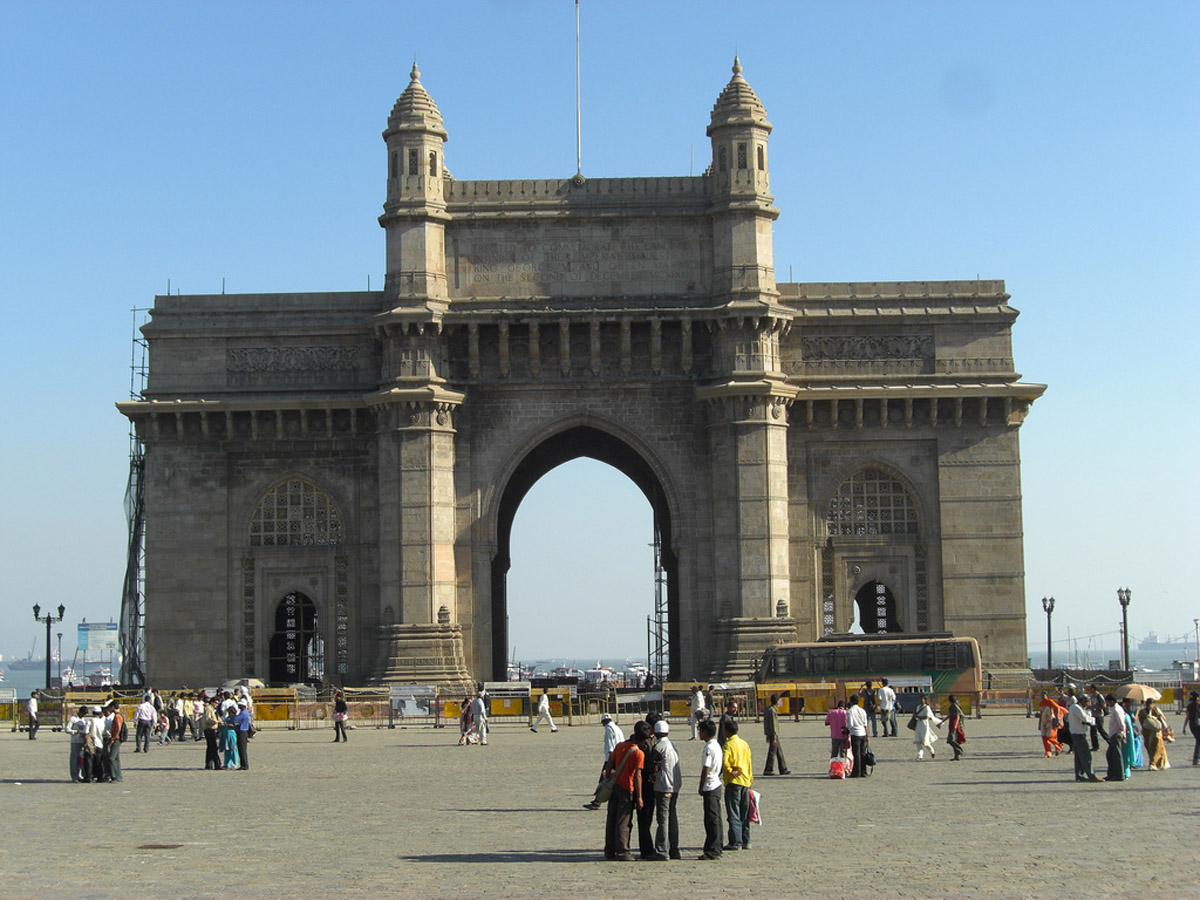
951	664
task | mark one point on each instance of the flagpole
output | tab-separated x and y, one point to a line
578	119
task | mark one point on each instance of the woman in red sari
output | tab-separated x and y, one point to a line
955	736
1051	716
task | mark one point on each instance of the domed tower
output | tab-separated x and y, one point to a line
741	191
414	213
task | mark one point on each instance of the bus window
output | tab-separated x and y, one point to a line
822	662
966	658
885	659
913	657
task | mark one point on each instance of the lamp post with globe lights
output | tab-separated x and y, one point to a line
1048	606
1123	599
49	619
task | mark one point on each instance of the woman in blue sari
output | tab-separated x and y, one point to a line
229	740
1132	751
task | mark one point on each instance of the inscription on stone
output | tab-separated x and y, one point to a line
572	260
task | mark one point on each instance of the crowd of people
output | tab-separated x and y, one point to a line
223	720
1135	737
641	780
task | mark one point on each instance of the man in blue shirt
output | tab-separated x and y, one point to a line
241	724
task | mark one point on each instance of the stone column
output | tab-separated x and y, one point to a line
748	445
422	642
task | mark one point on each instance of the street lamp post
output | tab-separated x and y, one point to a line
49	619
1048	606
59	636
1123	599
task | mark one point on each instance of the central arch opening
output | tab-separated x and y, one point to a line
593	444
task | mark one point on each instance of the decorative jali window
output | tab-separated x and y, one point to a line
295	513
871	502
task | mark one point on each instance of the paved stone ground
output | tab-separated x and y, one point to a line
407	812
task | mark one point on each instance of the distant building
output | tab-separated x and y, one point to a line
332	477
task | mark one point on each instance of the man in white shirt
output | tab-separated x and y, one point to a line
885	699
98	733
698	708
666	793
144	719
613	735
856	721
544	714
1079	720
32	707
479	718
711	759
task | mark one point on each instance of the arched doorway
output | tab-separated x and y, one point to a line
580	441
876	608
297	648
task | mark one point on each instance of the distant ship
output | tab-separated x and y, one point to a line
30	663
1153	642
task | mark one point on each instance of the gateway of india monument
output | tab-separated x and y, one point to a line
331	478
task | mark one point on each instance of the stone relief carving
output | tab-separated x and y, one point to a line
866	347
291	359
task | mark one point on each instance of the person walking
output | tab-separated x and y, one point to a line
479	723
1051	716
955	736
711	760
737	774
885	697
613	735
924	736
543	710
1153	727
771	731
1192	723
1079	721
341	711
143	724
666	793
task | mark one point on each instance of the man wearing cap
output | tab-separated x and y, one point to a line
613	735
666	794
112	741
95	744
1080	720
241	726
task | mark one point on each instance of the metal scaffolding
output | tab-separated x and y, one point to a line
658	645
132	633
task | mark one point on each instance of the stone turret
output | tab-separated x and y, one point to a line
414	213
742	205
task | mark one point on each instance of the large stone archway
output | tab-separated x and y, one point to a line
527	322
564	446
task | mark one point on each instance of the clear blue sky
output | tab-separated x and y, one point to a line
1052	145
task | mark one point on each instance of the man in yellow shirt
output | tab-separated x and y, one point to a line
737	774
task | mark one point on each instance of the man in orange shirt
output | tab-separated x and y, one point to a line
112	742
626	761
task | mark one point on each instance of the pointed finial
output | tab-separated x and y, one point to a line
415	74
737	65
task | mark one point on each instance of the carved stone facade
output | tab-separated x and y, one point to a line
332	478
